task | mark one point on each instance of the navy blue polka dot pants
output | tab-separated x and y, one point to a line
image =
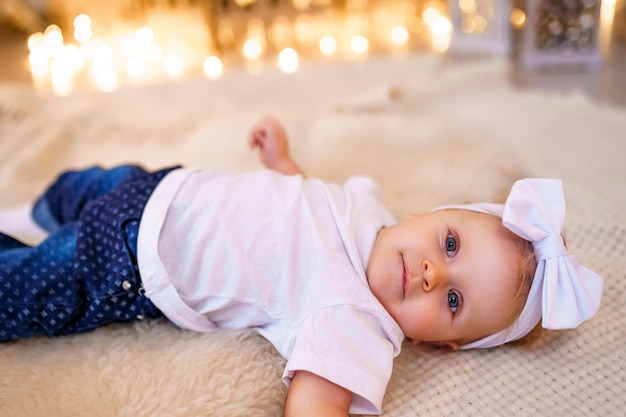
84	274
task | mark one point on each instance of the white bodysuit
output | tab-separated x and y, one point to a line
283	255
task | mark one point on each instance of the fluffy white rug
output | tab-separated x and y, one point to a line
430	132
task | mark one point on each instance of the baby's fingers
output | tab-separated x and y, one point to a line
256	138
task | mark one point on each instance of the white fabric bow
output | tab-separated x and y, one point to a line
563	293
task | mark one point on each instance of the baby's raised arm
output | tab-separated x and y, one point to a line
271	139
312	395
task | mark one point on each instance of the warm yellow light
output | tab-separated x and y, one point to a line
62	86
106	78
252	49
416	24
52	28
35	40
212	67
357	23
83	34
135	67
467	6
301	4
441	43
607	17
58	68
441	29
328	45
399	35
74	58
144	36
53	42
280	31
288	60
518	18
430	15
153	52
225	34
304	28
102	67
38	61
98	51
61	76
480	23
38	57
54	37
82	28
82	20
174	65
441	26
359	44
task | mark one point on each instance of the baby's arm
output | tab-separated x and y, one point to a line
312	395
270	137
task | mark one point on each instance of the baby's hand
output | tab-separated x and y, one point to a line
270	137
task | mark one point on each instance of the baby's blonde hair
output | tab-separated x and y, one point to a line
528	267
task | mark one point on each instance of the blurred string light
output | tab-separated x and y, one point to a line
254	45
328	45
55	65
212	67
252	49
473	19
518	18
82	28
288	60
359	45
174	65
399	35
607	15
439	25
103	68
467	6
53	41
137	56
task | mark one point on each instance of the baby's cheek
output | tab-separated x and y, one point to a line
415	324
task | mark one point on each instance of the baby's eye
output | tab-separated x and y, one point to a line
453	301
451	245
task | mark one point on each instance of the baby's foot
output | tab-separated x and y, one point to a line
20	223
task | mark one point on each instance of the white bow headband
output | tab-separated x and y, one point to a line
563	293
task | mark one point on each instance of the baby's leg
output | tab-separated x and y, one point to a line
84	275
39	295
64	200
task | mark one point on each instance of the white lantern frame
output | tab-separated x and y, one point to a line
531	57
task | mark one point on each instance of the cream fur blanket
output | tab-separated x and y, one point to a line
429	132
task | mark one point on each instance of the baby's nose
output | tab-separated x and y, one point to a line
431	275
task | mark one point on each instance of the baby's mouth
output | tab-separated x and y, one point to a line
405	280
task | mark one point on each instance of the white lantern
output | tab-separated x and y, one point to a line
561	33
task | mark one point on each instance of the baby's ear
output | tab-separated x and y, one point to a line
451	346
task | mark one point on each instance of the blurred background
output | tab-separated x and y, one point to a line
62	47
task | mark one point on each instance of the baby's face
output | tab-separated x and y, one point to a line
449	276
